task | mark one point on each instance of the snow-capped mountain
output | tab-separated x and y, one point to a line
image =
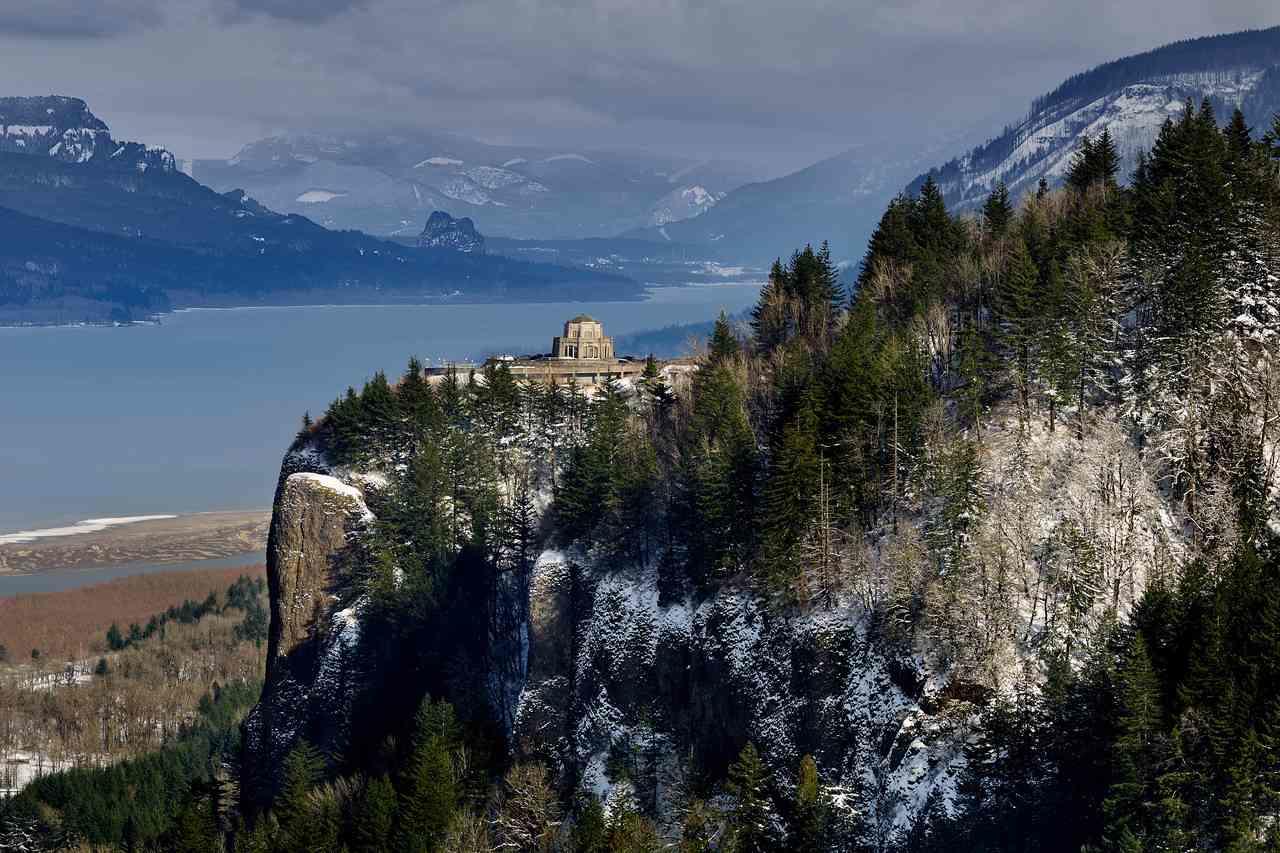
841	199
683	203
64	129
1131	98
386	183
837	199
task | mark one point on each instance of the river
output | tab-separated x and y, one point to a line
193	414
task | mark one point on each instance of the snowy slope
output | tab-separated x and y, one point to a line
1131	98
64	129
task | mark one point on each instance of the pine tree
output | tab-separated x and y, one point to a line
723	345
1016	308
301	773
590	835
1081	174
749	828
812	811
374	817
429	786
769	320
1138	748
997	212
789	501
698	829
717	486
1107	159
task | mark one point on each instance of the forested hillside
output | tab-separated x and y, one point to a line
977	557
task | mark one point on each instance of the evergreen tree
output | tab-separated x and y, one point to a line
1016	307
789	500
723	345
749	828
997	211
590	835
374	817
698	829
301	773
769	317
812	811
429	786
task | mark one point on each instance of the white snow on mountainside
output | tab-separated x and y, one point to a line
63	128
683	203
318	196
439	161
1044	143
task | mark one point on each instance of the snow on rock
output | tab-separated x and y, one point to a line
1045	142
683	203
462	189
670	679
492	178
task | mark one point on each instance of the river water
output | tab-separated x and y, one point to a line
193	414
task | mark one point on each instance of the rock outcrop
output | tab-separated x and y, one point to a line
313	520
584	663
64	129
314	540
444	232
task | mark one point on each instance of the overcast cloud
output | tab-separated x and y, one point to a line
783	83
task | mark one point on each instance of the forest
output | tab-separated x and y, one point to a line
1114	655
134	724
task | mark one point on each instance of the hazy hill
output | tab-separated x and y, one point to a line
107	230
387	183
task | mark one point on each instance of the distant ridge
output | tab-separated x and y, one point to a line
97	230
1130	97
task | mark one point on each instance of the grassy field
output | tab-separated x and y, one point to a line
72	624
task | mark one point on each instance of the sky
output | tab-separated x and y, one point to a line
781	84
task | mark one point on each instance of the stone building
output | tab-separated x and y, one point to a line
583	355
583	338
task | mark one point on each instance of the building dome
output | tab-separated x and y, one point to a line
583	338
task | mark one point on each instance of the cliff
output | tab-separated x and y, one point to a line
585	660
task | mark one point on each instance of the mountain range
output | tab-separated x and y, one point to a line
387	183
105	230
598	215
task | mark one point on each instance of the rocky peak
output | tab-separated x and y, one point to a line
65	129
445	232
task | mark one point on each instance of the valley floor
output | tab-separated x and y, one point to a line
185	538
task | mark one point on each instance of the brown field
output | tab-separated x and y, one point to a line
71	624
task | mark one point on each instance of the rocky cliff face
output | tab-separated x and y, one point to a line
589	668
444	232
314	540
64	129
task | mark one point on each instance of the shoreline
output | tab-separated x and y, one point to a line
185	538
157	319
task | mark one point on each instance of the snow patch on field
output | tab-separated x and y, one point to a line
438	161
318	196
89	525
